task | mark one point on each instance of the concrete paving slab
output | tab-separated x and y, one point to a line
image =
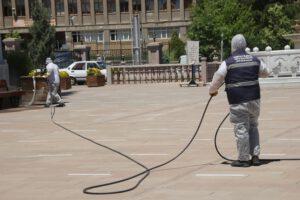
151	123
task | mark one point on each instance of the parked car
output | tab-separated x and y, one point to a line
78	70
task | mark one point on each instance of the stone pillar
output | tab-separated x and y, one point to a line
106	40
183	33
105	12
1	15
79	12
109	77
155	10
169	10
4	71
69	40
143	11
14	9
182	9
67	17
204	70
53	14
27	14
118	12
130	7
92	3
155	52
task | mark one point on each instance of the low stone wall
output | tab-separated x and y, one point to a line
152	74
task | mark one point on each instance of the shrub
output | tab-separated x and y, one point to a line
19	62
94	72
35	72
63	74
177	47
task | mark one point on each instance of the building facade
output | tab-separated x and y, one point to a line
101	24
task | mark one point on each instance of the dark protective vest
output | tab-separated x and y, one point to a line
242	78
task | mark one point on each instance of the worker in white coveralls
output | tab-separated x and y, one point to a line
54	82
240	73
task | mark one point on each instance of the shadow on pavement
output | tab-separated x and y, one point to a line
267	161
67	93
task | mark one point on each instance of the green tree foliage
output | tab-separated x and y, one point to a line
177	47
19	62
13	34
262	22
274	25
42	43
212	18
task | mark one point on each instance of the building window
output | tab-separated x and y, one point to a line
188	4
111	7
72	4
59	7
85	6
98	6
162	33
149	5
76	37
47	5
136	5
20	7
92	37
124	5
162	4
175	4
120	35
7	11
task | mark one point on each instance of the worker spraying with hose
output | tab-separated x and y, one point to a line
53	82
241	72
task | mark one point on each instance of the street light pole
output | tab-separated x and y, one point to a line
222	44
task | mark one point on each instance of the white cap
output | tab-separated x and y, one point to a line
238	42
48	60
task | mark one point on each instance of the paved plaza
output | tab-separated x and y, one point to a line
151	123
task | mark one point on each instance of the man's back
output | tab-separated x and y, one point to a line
53	72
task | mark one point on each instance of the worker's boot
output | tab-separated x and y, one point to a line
239	163
255	161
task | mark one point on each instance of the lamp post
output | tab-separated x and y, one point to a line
222	44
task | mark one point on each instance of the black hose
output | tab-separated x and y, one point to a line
146	172
216	138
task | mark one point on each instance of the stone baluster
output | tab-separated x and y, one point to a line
181	73
176	74
188	77
134	77
123	75
146	75
140	74
128	76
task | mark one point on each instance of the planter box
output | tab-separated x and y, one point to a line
65	83
41	87
95	81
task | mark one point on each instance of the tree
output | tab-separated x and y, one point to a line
42	42
262	22
275	24
211	19
177	47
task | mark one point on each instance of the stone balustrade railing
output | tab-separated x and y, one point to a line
283	63
151	73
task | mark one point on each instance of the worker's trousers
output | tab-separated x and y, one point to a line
244	117
53	96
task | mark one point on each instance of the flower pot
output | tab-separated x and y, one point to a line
65	83
95	81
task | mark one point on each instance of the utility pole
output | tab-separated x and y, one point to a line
222	44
